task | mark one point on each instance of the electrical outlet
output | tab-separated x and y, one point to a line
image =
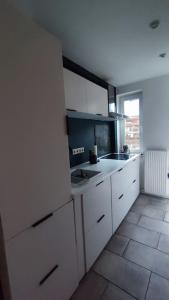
78	150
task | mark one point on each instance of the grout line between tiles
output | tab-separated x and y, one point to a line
132	239
143	267
153	230
111	282
105	289
139	219
157	219
155	247
138	225
158	242
164	215
127	259
148	286
126	248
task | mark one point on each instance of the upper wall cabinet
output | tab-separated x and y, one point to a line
74	91
97	99
83	95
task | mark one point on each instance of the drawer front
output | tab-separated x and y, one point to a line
134	169
42	259
135	190
122	204
96	239
96	203
122	179
58	286
119	209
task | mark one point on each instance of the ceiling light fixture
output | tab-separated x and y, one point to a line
162	55
154	24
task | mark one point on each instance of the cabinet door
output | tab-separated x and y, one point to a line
42	262
125	189
97	238
124	177
79	235
97	220
97	99
120	207
120	181
134	169
135	190
34	180
96	202
75	91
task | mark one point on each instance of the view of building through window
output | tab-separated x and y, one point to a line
132	125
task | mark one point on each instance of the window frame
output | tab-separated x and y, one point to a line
120	126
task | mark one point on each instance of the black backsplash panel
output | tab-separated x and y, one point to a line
87	133
103	138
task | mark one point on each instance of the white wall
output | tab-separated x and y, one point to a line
155	110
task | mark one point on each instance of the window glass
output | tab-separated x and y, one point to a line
130	129
132	125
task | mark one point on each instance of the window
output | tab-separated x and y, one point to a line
130	128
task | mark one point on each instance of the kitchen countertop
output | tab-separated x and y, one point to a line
106	166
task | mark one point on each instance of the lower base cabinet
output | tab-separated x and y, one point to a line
100	210
123	199
42	261
122	204
95	224
96	240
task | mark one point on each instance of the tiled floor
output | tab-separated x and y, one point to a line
135	263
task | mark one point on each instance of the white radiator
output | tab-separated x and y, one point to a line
156	173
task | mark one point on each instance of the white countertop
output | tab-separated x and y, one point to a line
105	166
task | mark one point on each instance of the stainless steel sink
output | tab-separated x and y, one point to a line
80	175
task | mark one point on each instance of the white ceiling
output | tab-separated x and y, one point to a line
110	38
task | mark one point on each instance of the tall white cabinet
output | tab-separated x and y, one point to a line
37	223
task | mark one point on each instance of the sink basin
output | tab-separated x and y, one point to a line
80	175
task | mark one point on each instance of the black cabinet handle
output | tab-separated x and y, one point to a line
48	275
134	180
100	183
120	170
99	220
42	220
121	196
70	109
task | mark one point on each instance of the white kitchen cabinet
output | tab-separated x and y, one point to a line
79	235
97	238
120	180
124	176
122	204
135	190
95	203
100	210
120	208
42	261
83	95
34	180
75	91
97	99
97	219
125	189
